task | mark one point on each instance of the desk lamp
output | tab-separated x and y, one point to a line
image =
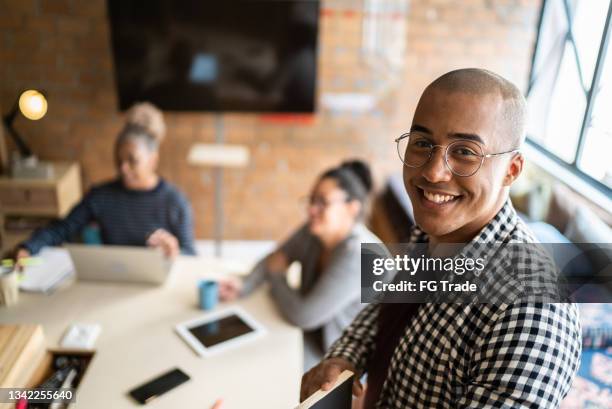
32	104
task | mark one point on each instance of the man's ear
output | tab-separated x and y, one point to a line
515	167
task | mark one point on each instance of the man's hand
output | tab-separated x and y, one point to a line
163	239
324	375
229	288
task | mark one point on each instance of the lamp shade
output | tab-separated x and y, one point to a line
33	104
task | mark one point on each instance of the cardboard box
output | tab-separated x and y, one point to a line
22	347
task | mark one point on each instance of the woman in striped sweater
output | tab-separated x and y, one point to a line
138	208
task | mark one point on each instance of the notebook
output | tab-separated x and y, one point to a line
52	268
340	396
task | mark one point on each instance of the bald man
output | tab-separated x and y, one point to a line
462	155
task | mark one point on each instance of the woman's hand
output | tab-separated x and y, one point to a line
165	240
18	254
229	288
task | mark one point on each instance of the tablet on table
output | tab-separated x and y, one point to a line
218	331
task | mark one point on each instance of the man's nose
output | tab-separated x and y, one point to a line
435	170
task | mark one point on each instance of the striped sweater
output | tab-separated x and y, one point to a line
125	217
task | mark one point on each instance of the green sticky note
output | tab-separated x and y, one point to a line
8	262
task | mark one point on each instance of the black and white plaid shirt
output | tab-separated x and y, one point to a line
520	355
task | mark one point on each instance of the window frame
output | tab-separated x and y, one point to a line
590	96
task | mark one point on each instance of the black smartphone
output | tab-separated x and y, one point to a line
158	386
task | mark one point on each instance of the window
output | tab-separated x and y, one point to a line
570	88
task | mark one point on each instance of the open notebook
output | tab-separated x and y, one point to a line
53	266
340	396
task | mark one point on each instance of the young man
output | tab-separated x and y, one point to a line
464	156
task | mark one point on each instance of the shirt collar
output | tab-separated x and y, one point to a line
498	230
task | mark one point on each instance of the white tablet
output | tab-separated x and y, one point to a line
220	330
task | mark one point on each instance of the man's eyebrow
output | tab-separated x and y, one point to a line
468	136
420	128
454	135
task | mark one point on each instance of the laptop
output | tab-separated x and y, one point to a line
119	263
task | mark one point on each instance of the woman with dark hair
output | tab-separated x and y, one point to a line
138	208
328	246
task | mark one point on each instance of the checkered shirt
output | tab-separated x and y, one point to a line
518	355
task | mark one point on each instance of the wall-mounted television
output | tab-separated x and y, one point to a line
219	55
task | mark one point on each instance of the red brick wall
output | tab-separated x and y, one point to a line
63	47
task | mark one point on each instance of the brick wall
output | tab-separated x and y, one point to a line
63	47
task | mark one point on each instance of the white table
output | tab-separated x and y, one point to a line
138	342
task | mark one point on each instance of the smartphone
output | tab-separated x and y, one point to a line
158	386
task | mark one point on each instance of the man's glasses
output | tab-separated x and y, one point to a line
463	157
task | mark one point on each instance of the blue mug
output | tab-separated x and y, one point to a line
209	294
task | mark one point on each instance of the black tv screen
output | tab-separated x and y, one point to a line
219	55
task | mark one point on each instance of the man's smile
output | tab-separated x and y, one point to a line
437	199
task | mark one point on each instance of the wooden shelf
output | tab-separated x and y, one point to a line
53	197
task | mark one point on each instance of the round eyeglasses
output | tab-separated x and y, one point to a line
319	203
462	157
